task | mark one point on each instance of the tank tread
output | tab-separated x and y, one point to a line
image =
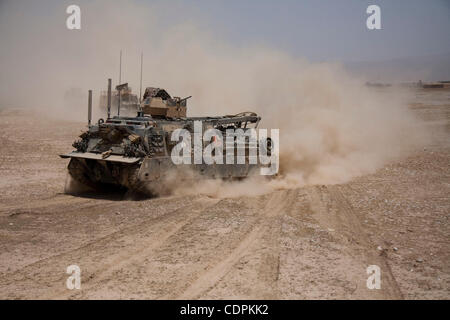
78	172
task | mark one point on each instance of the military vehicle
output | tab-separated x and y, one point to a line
129	102
134	153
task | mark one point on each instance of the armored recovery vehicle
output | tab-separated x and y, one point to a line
135	152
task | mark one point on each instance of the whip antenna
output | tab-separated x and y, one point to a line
120	67
140	87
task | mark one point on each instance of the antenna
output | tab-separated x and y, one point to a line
120	67
109	98
140	87
89	108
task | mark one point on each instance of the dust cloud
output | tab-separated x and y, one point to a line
332	128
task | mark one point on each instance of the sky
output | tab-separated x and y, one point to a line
320	30
327	30
39	54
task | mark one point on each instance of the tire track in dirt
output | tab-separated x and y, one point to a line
37	278
348	226
392	290
169	225
77	213
275	207
62	201
60	221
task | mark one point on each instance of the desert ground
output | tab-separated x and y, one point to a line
311	242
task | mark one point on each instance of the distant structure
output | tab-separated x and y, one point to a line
378	84
419	84
129	102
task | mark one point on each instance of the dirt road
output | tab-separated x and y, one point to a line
309	242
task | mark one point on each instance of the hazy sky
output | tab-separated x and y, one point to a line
335	30
327	29
316	29
186	38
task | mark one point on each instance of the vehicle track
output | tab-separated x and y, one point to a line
165	227
267	224
102	253
334	211
62	201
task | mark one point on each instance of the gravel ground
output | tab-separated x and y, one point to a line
313	242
